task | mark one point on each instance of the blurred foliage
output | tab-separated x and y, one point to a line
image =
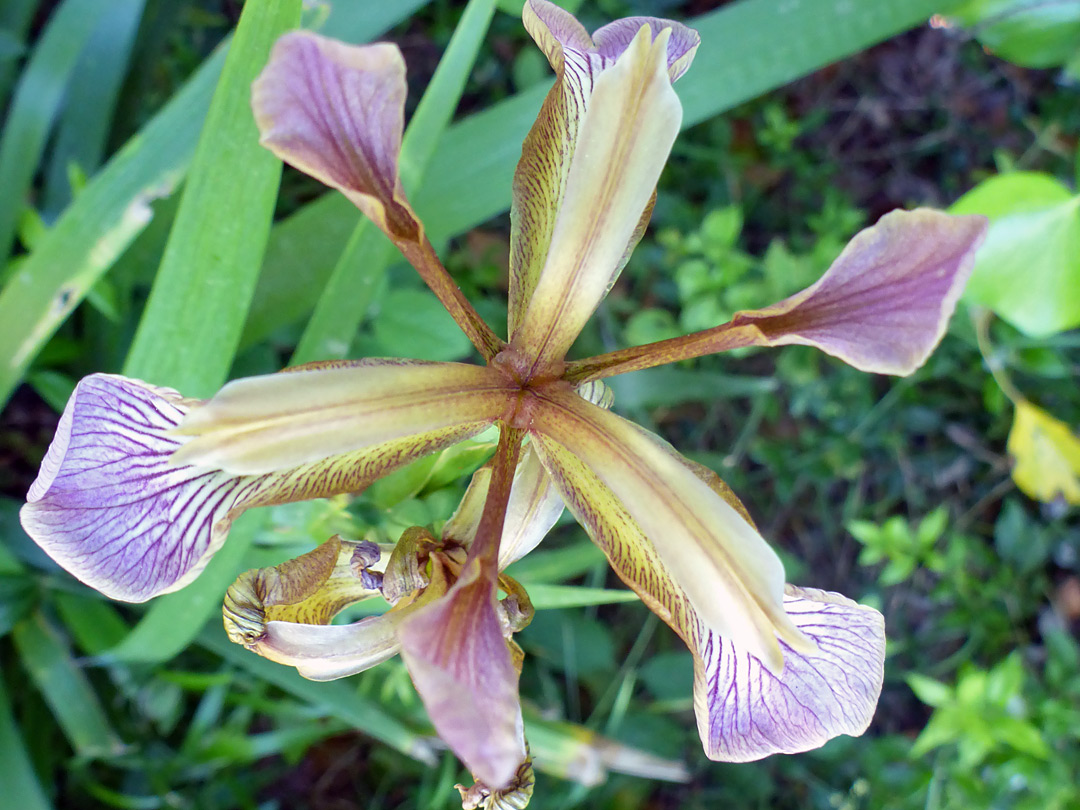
900	493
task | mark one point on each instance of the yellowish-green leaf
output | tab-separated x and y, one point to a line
1046	454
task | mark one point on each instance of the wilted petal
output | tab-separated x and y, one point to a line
610	471
746	712
111	507
884	304
458	657
283	613
262	424
336	112
625	139
533	509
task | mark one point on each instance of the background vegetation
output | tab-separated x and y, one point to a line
135	236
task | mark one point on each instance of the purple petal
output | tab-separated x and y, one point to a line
112	508
458	658
750	713
884	304
336	112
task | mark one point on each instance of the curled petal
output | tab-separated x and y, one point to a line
262	424
533	509
746	712
458	657
604	464
884	304
336	112
627	136
283	614
112	507
310	589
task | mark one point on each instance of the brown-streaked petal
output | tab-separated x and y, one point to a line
746	712
112	508
540	181
728	572
337	112
261	424
884	304
283	613
621	147
458	658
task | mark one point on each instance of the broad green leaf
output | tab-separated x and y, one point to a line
1046	455
91	98
65	688
1032	33
15	19
188	333
339	699
747	49
113	209
34	107
21	786
1028	270
359	270
412	323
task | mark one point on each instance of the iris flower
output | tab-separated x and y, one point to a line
140	485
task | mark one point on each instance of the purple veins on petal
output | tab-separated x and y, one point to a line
751	713
112	507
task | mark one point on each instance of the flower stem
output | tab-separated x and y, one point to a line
686	347
485	547
421	255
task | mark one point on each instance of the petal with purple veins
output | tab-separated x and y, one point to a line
750	713
113	507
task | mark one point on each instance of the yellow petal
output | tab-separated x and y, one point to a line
1047	455
730	576
277	421
622	144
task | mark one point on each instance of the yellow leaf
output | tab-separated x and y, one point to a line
1047	455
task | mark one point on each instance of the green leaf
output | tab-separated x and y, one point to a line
1032	33
1028	270
548	597
91	98
65	688
37	99
359	270
336	698
747	49
21	786
412	323
931	692
189	331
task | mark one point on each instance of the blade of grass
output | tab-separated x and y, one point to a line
91	99
21	786
65	688
37	99
15	19
188	333
548	597
112	210
747	48
336	698
358	270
